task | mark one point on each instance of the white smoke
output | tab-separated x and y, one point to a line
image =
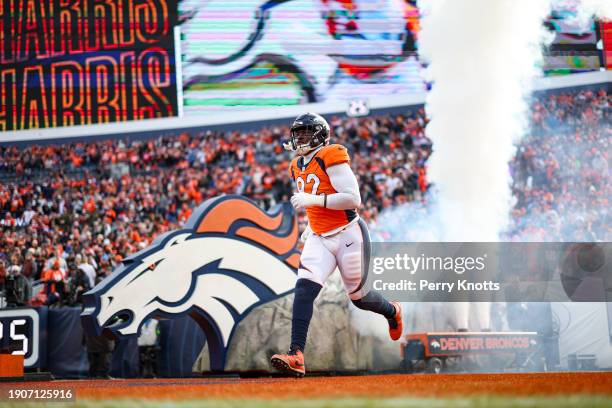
600	8
483	56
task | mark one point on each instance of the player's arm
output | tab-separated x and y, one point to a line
344	182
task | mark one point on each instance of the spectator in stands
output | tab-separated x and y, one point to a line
58	259
54	279
15	267
79	284
87	268
30	268
17	286
2	274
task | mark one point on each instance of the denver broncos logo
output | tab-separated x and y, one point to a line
230	257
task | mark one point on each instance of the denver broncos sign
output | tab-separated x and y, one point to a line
230	257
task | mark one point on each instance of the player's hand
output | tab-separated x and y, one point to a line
305	200
306	233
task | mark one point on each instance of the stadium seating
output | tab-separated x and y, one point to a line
94	203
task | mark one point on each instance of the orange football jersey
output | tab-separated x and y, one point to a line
312	178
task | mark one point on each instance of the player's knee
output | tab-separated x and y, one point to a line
306	289
354	294
307	274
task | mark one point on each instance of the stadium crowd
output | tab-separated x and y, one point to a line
69	213
561	171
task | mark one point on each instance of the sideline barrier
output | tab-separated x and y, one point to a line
62	351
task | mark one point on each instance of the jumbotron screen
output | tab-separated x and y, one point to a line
257	53
82	62
261	53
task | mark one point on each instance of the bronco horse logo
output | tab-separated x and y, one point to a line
230	257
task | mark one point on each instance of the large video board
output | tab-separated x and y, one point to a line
81	62
254	53
574	46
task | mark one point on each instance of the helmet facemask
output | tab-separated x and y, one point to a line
308	132
305	138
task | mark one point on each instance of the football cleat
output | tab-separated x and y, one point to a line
292	363
396	327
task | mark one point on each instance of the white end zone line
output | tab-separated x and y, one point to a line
237	117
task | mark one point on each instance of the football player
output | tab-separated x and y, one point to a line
335	236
